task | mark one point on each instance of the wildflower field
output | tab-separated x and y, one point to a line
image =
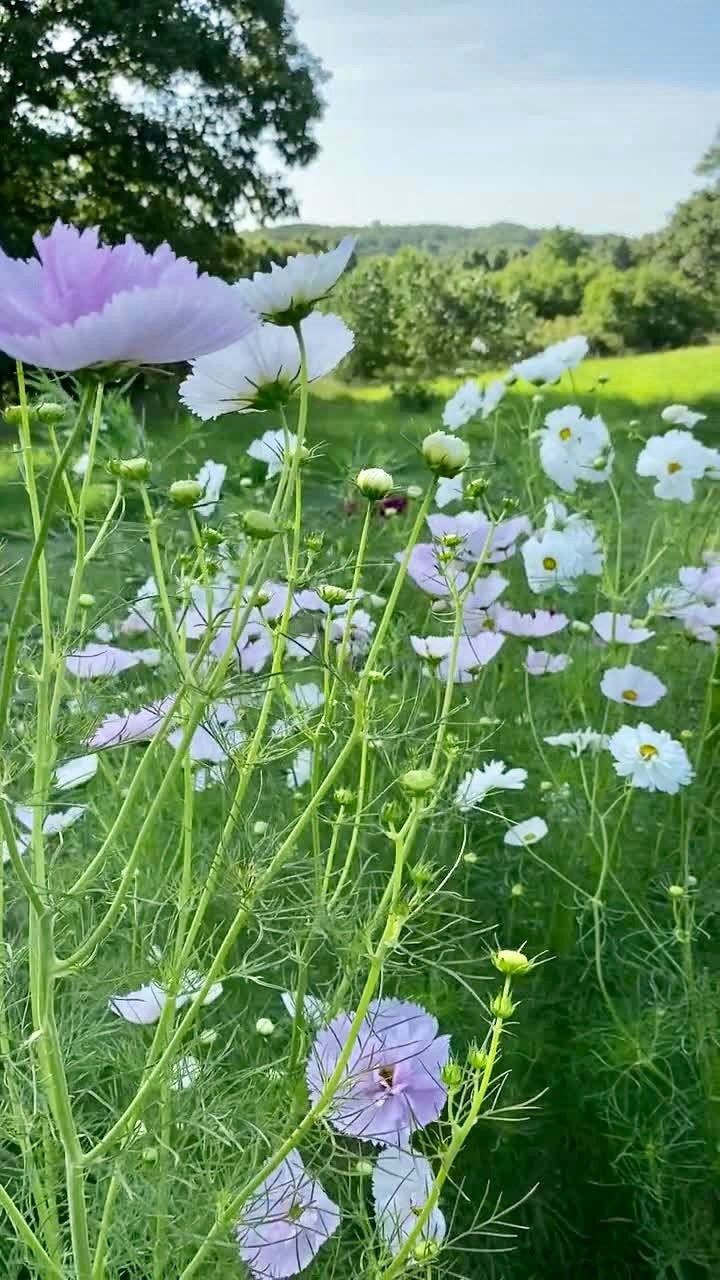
358	770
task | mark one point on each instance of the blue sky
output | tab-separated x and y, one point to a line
591	114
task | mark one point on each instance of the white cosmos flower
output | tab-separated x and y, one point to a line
632	685
531	626
314	1009
540	663
97	661
449	489
551	560
493	776
185	1072
679	415
432	648
579	741
619	628
286	294
145	1005
141	617
75	772
571	446
401	1185
650	758
262	371
464	405
527	832
492	395
55	823
270	449
553	362
212	477
300	770
676	460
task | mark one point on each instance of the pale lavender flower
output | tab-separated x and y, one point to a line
98	660
133	726
540	663
401	1185
473	652
286	1222
392	1082
531	626
429	574
80	303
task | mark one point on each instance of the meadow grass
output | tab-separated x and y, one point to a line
610	1103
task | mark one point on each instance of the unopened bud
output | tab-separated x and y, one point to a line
686	735
452	1075
259	828
545	785
470	857
425	1250
186	493
86	601
364	1167
512	962
477	487
580	628
517	890
344	796
446	455
376	677
208	1036
150	1155
315	542
421	874
374	483
333	595
264	1026
502	1007
414	491
132	469
13	415
259	524
676	891
477	1057
245	482
418	781
50	412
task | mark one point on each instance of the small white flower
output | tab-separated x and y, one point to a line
145	1005
551	560
540	663
619	628
676	460
185	1072
571	446
679	415
270	449
262	371
432	648
286	294
527	832
579	741
104	633
492	395
553	362
650	758
212	477
632	685
75	772
55	823
493	776
464	405
401	1185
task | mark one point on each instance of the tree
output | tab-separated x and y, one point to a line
691	243
151	117
550	278
709	166
643	309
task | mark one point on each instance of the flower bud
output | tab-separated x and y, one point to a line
364	1168
477	487
517	890
332	595
452	1075
676	891
418	781
580	628
426	1250
13	415
374	483
446	455
471	857
477	1057
133	469
344	796
186	493
376	677
502	1007
245	482
150	1155
259	828
414	491
208	1036
51	413
259	524
421	874
512	962
264	1026
86	601
686	735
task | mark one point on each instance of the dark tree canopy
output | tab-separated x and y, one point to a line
162	118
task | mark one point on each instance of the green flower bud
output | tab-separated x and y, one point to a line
418	781
512	962
477	1057
579	627
315	542
332	595
425	1250
260	525
186	493
376	677
13	415
150	1155
686	735
452	1075
344	796
50	413
208	1036
374	483
260	828
477	487
517	890
676	891
502	1007
132	469
470	857
364	1168
421	874
446	455
86	601
264	1026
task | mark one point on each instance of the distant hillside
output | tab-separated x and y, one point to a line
435	238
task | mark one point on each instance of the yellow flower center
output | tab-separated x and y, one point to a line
673	467
489	624
549	563
647	751
530	838
566	433
629	695
386	1074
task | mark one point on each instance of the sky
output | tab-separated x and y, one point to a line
590	113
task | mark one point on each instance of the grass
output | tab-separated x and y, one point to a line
624	1139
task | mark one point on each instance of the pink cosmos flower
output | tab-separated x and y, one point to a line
286	1222
392	1083
540	663
97	660
426	571
80	303
473	653
134	726
531	626
478	536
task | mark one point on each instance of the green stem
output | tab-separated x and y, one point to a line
27	1235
